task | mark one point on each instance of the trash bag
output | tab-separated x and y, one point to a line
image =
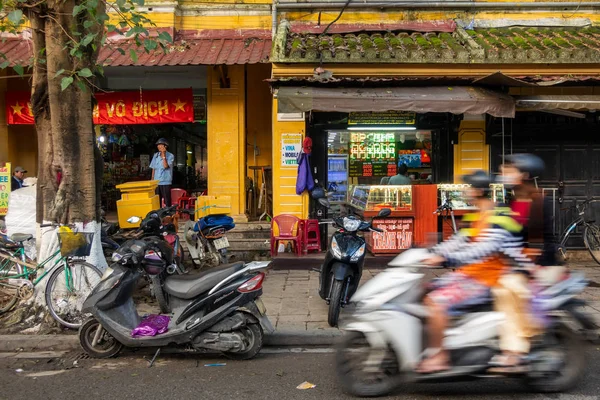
152	325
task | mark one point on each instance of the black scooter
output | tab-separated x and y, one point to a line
342	269
219	310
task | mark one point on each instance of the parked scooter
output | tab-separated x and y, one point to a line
218	310
342	269
206	239
384	338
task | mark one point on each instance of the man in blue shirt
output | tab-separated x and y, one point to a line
17	178
162	171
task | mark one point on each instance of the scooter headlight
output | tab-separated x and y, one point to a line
358	254
351	224
335	248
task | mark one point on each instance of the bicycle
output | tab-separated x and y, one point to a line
591	233
446	211
64	294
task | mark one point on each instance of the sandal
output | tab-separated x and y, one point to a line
508	364
431	366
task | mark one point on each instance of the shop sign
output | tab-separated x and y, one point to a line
397	235
5	181
119	108
382	118
291	146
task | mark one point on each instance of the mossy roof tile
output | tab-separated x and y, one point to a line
520	45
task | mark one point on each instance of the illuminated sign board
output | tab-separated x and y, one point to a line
372	146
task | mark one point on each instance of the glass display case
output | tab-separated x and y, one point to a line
376	197
456	194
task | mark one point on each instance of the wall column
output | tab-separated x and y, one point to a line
3	122
227	137
471	153
285	199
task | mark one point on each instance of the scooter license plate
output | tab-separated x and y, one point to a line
261	306
221	243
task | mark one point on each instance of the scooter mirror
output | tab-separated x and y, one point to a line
384	212
134	220
324	202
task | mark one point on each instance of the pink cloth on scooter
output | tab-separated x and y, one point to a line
152	325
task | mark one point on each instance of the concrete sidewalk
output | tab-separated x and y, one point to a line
294	308
293	302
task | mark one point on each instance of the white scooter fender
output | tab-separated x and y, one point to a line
400	330
410	258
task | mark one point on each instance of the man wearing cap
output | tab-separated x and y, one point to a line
17	178
162	171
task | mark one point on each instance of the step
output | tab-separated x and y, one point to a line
249	244
252	226
234	234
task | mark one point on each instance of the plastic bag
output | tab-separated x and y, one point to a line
152	325
20	217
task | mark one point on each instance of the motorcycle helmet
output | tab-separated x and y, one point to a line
479	180
318	193
530	164
151	223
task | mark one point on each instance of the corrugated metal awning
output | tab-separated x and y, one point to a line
456	100
558	102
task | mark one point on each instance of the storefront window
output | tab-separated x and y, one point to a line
367	157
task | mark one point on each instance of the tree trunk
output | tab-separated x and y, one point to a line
67	188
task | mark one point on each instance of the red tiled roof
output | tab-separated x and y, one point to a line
198	49
16	51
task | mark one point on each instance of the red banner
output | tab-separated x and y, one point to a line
18	108
120	108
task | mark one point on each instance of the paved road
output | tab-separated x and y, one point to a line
270	376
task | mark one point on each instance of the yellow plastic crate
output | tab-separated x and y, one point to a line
212	205
135	208
138	190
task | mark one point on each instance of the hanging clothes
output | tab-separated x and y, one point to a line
305	179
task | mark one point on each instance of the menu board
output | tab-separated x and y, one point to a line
371	168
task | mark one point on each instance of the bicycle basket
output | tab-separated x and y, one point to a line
75	244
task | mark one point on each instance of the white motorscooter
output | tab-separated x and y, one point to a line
385	337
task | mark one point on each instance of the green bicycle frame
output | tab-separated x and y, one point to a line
20	253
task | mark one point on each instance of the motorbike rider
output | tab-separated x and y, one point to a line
483	251
513	292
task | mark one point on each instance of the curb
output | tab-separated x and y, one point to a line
29	343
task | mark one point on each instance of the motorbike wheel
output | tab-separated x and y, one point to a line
253	334
352	356
571	351
106	347
161	297
335	302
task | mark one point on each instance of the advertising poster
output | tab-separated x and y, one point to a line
4	188
291	146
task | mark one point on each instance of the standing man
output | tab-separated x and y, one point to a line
17	178
402	177
162	171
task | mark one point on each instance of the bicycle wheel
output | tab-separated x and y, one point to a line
591	239
65	294
9	294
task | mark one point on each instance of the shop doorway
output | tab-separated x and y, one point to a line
570	149
128	149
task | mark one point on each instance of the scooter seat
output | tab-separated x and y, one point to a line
190	286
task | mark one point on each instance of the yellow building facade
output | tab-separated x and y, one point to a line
244	125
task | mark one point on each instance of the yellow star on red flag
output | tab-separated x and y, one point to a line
17	109
179	105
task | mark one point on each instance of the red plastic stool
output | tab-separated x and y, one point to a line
184	204
311	235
